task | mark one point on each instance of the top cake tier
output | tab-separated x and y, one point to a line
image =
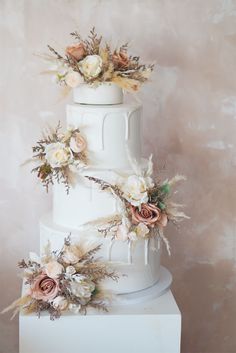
110	130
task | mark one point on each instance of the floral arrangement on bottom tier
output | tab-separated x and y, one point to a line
65	280
145	205
60	154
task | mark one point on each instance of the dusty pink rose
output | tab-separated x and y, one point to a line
44	288
77	143
120	59
76	51
149	215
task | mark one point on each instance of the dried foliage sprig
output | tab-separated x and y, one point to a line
65	280
58	155
91	61
145	205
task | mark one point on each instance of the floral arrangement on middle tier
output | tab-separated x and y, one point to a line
59	155
145	206
65	280
92	62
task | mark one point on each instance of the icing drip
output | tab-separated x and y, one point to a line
127	126
102	145
130	252
146	251
110	249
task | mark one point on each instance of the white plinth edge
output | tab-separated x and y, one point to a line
153	326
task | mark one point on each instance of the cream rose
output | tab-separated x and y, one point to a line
77	143
135	190
53	269
60	303
91	66
57	154
73	79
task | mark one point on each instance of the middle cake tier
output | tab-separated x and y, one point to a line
85	201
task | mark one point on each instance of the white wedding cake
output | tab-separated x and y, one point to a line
112	133
106	227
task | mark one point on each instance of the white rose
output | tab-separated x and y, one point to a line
53	269
82	289
135	190
142	230
77	143
73	79
57	154
91	66
70	270
60	303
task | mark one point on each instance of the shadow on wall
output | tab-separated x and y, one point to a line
206	295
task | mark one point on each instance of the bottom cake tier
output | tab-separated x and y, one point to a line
136	263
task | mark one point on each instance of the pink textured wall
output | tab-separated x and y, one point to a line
189	124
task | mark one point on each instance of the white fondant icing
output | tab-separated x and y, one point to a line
134	276
105	93
112	241
147	241
85	202
130	252
110	131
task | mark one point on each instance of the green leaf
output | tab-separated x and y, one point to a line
165	189
161	205
96	291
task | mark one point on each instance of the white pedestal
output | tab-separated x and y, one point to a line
150	327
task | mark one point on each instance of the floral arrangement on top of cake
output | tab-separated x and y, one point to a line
145	206
66	280
92	62
59	154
